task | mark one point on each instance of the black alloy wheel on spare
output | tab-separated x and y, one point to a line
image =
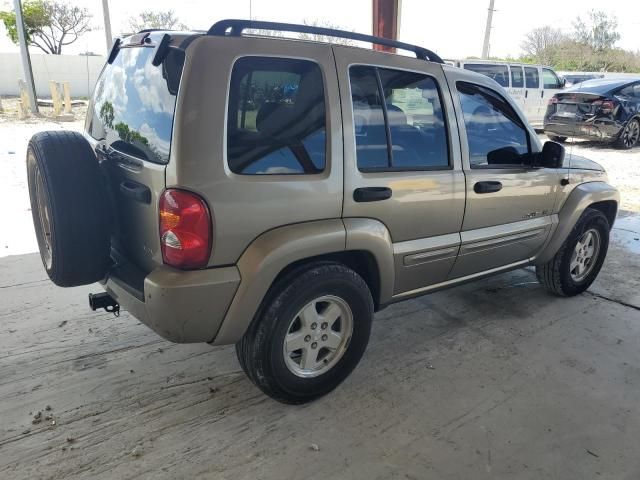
70	208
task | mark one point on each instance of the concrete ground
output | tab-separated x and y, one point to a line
494	379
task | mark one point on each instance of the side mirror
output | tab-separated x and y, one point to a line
552	155
563	82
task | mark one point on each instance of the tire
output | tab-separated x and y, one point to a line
555	138
629	135
70	208
559	276
309	293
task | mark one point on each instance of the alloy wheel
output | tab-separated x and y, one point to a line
584	255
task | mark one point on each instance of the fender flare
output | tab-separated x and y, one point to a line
579	199
273	251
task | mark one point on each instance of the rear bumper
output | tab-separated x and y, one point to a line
181	306
592	130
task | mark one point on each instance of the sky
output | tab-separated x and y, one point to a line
451	28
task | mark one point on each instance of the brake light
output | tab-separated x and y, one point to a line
553	100
605	106
185	229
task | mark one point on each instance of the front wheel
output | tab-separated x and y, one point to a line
577	264
309	334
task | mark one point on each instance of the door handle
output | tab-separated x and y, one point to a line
526	93
371	194
487	187
541	93
136	190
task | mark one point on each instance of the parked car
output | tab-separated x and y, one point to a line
606	109
216	207
530	86
576	78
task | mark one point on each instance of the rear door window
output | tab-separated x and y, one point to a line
398	120
517	79
277	118
532	78
500	73
134	103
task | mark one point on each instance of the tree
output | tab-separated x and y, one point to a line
541	44
49	25
162	20
324	38
599	31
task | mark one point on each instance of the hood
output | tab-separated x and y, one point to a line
581	163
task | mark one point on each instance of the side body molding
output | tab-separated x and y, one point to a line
373	236
579	199
265	258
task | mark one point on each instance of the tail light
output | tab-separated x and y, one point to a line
553	100
185	229
605	106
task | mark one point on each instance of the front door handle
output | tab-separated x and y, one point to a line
541	93
526	93
371	194
487	187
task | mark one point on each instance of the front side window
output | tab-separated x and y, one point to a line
517	79
500	73
398	120
276	121
550	79
531	77
496	135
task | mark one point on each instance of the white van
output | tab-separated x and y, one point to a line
531	86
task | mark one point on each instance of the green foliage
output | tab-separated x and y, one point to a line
591	47
49	25
130	136
163	20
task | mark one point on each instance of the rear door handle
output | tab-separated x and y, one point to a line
526	93
371	194
541	93
136	191
487	187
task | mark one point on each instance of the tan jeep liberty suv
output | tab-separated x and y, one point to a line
275	193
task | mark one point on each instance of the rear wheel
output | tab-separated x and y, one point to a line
70	209
555	138
629	136
577	264
310	333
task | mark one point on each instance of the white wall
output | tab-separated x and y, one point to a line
80	71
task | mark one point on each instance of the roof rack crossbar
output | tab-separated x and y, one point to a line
235	27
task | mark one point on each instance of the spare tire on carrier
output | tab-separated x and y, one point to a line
70	208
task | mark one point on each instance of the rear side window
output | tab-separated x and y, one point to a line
517	79
550	79
500	73
531	77
134	103
398	120
496	135
277	118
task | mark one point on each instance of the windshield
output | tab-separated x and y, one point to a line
134	103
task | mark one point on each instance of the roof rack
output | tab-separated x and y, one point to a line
234	28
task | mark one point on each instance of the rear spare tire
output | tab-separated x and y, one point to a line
70	208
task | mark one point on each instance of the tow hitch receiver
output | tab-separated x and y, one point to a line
104	300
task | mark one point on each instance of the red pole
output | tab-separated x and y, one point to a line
386	21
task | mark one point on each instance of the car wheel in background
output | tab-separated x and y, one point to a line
629	136
309	334
577	264
70	209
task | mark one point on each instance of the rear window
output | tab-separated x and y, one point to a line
500	73
276	118
134	103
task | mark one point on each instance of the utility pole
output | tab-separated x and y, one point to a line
107	24
487	31
26	60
